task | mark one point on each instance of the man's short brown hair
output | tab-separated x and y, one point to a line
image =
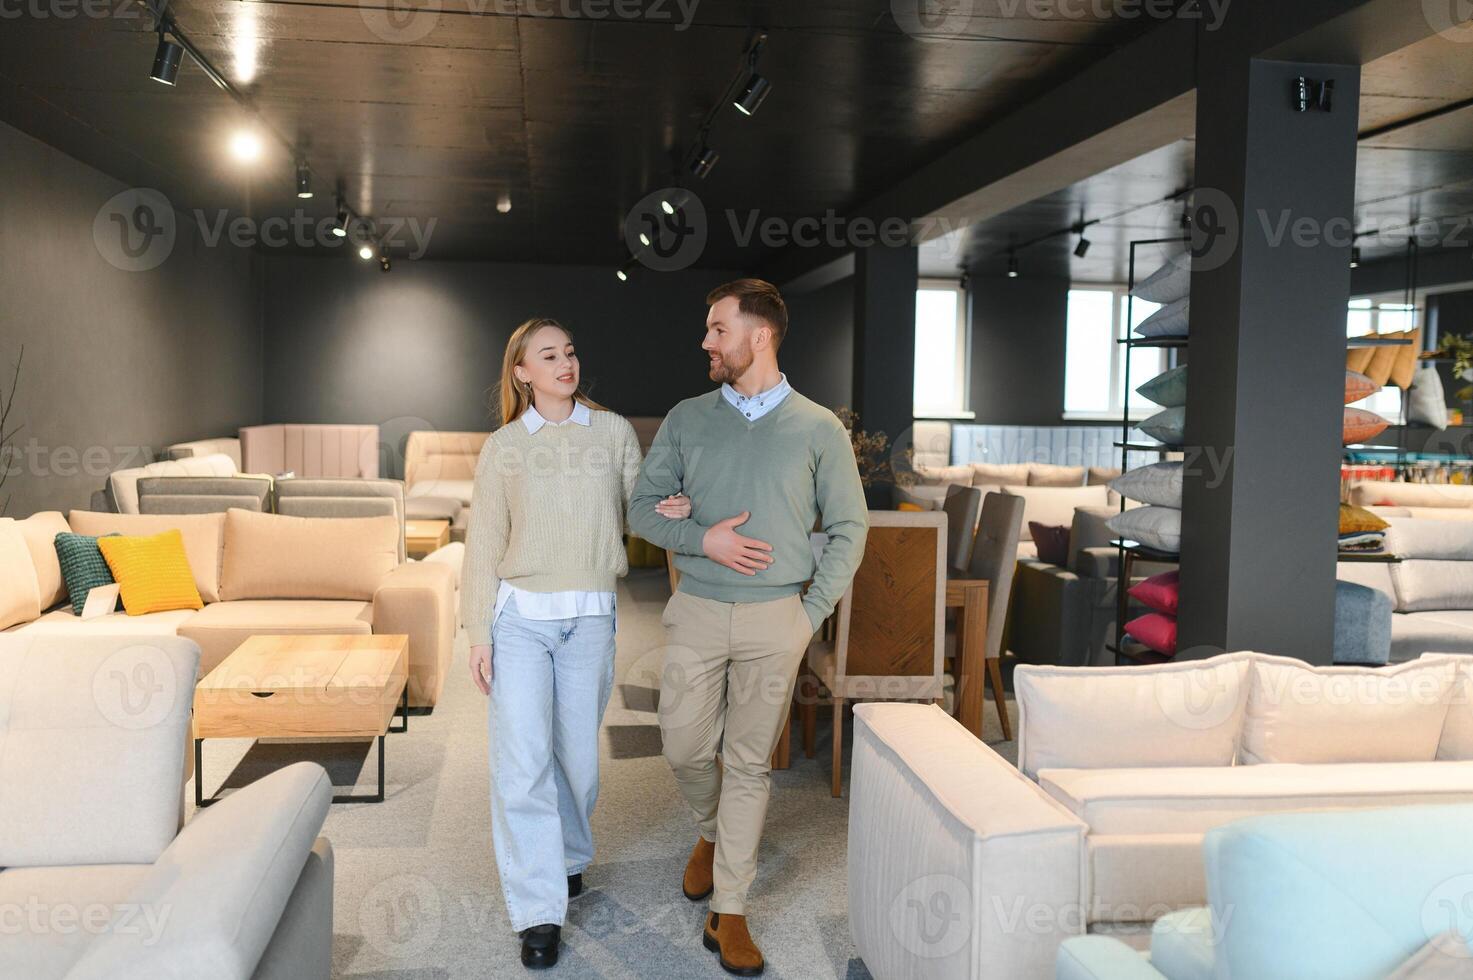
759	298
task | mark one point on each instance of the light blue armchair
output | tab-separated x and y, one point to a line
1326	895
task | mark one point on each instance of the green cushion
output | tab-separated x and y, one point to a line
82	565
1168	389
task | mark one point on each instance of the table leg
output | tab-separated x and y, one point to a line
403	711
971	641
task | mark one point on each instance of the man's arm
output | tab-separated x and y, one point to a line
661	476
845	518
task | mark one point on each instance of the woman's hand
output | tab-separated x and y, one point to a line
676	507
481	667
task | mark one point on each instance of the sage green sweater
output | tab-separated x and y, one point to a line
789	468
547	512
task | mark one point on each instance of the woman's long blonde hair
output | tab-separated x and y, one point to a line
512	397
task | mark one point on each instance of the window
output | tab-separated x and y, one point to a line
1094	364
941	350
1373	316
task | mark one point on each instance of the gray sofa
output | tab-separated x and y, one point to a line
92	732
1431	589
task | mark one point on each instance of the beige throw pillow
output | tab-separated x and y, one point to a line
20	601
269	556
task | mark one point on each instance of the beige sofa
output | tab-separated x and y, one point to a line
309	450
99	882
257	573
963	865
1431	589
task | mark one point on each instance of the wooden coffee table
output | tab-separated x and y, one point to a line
309	687
424	536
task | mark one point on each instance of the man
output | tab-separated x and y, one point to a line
754	455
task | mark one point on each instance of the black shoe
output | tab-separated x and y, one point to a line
575	885
539	946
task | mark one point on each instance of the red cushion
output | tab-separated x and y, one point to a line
1159	592
1052	543
1358	386
1361	425
1155	630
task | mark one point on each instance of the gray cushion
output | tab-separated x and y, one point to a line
1362	625
1167	389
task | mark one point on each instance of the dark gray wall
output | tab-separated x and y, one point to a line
421	346
117	364
1018	335
818	354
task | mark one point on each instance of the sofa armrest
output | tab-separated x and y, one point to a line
1051	613
212	900
1102	562
1102	958
418	599
959	866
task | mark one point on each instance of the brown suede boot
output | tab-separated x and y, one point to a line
699	878
727	937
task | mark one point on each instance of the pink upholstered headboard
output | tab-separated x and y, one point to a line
310	450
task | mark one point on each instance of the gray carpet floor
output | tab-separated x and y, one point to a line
416	891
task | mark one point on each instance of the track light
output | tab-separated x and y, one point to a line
753	93
644	239
1082	249
625	270
704	161
365	251
1355	256
503	203
340	229
166	60
383	259
304	180
675	200
1012	264
245	145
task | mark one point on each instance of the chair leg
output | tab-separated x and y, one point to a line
994	674
838	784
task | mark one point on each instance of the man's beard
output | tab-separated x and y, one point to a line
732	366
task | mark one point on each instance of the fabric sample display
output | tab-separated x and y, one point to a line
1426	402
1168	389
1169	283
1158	483
1154	527
1358	386
1161	593
1359	426
1168	425
1169	321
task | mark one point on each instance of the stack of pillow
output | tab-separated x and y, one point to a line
1359	424
152	572
1169	286
1158	486
1361	532
1157	628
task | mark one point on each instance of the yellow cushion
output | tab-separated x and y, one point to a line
907	505
152	573
1358	520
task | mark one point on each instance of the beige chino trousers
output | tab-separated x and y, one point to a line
727	687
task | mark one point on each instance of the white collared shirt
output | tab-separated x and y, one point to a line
554	605
758	405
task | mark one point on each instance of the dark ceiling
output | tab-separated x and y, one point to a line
1416	176
437	109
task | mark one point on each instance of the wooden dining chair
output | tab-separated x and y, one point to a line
994	558
889	639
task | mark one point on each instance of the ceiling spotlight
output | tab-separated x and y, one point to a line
365	252
304	180
1012	264
340	228
704	161
1082	249
245	146
503	203
673	201
383	260
166	60
626	269
644	239
1355	256
753	93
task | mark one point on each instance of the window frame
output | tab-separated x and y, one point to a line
1119	329
962	361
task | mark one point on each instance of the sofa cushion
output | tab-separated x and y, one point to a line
1053	475
1438	574
268	556
92	736
203	536
1178	714
82	566
999	474
1418	633
1303	714
124	483
151	571
40	531
69	891
458	490
1140	877
1182	943
222	626
1384	492
1187	800
64	622
20	596
928	476
1456	741
1054	506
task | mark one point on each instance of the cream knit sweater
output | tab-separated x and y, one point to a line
548	512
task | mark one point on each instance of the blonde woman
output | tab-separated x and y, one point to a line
544	550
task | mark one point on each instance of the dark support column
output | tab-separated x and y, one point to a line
1267	356
885	340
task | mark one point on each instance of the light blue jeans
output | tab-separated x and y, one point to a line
550	683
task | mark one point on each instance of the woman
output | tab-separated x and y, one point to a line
544	549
